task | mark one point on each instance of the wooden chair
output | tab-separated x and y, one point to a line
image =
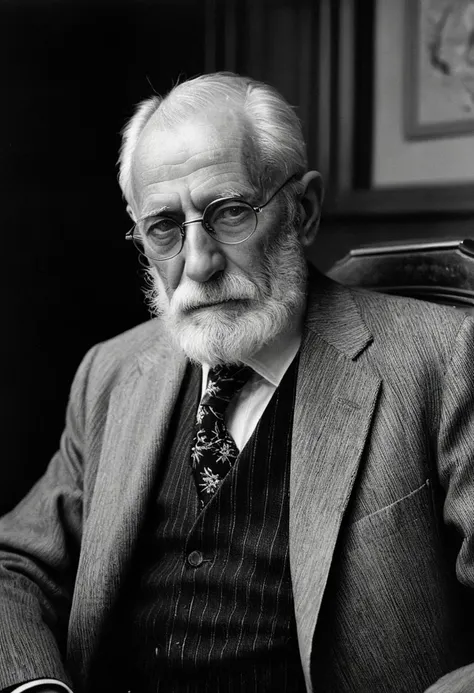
441	272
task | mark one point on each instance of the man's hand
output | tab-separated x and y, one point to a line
458	681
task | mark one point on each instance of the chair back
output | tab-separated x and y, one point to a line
440	272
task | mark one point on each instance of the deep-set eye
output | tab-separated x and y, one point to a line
160	228
232	214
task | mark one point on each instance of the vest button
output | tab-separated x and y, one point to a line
195	559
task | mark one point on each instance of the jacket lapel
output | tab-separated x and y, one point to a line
139	415
335	400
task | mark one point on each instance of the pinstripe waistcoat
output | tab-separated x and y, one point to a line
209	605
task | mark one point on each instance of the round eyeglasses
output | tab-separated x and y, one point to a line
229	220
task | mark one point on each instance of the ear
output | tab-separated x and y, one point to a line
131	214
311	199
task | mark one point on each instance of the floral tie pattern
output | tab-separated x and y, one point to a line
214	451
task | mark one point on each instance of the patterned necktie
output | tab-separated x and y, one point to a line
214	451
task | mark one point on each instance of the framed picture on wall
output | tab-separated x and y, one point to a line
439	68
375	169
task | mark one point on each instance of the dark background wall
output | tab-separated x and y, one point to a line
70	73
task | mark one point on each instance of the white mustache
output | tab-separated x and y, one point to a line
230	287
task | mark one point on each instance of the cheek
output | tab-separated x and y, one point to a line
168	275
247	260
259	246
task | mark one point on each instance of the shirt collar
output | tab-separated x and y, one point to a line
272	360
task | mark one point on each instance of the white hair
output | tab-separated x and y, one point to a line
275	147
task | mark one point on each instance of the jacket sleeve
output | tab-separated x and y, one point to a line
39	549
456	470
456	448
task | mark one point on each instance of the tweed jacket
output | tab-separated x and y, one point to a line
381	500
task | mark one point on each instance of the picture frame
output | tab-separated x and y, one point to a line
439	68
351	192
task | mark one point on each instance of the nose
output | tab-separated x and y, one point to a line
203	256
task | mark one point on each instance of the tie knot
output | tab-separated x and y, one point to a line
223	383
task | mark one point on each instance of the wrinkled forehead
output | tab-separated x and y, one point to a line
207	141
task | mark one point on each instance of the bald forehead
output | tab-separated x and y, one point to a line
210	136
220	115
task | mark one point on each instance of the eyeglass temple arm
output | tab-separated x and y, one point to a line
260	207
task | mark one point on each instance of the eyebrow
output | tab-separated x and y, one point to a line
156	212
207	199
230	192
203	200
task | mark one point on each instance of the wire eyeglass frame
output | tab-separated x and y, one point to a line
139	243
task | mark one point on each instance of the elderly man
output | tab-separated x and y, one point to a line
270	486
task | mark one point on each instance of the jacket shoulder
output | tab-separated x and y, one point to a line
353	318
414	314
410	328
132	342
118	358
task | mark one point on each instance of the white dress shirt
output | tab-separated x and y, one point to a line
269	365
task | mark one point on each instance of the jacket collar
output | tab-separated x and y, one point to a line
333	315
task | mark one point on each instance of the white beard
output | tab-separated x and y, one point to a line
260	307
